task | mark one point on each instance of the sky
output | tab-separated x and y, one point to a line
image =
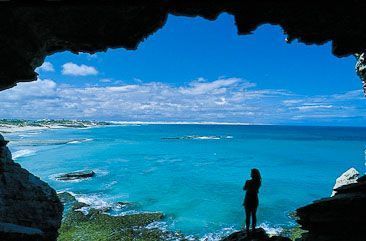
195	70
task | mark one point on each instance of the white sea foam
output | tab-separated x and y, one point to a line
98	201
93	200
23	153
206	137
197	137
271	230
110	185
216	236
158	225
101	172
79	141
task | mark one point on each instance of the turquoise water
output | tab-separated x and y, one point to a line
194	173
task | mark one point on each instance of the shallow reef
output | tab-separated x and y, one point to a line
95	225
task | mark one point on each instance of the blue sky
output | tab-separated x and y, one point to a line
197	70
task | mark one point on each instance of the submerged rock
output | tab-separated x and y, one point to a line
98	226
29	207
258	235
76	175
350	176
66	197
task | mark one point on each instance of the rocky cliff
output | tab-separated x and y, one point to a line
341	217
361	69
29	207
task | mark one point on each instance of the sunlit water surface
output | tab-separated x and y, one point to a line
194	173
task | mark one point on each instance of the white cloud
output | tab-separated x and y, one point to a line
105	80
78	70
226	100
46	67
89	56
313	107
216	87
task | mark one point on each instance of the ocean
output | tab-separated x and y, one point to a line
194	173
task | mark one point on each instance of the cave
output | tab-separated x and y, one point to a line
32	31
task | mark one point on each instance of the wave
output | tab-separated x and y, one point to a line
216	236
93	201
194	137
101	172
110	185
98	201
27	142
78	141
29	134
271	230
23	153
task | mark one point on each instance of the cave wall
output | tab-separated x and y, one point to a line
29	31
29	208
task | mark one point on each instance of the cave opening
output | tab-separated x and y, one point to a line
191	115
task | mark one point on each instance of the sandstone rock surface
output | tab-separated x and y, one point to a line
29	207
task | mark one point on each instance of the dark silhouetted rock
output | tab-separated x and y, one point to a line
29	208
75	175
362	179
338	218
258	235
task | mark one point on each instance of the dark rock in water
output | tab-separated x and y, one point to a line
258	235
29	208
66	197
125	205
75	175
339	218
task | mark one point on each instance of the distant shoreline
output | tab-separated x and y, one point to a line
16	125
180	123
13	125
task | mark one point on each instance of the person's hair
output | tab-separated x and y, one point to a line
256	176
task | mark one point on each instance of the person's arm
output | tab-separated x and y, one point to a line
245	187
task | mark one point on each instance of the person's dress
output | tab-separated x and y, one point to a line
251	196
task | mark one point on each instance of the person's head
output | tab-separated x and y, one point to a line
256	175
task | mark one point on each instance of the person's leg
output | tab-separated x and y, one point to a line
254	218
247	219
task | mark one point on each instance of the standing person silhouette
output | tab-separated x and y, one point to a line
251	198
